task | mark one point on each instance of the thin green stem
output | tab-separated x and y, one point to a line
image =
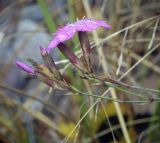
119	87
108	98
47	16
120	84
144	88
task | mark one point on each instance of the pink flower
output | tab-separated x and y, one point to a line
25	67
63	34
89	24
67	32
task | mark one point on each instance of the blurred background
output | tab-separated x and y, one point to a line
30	112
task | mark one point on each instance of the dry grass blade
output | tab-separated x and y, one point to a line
153	35
139	61
21	93
41	117
35	114
120	60
110	126
146	62
128	27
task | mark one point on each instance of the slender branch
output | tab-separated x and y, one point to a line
108	98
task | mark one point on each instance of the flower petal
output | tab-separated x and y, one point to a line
88	24
63	34
67	32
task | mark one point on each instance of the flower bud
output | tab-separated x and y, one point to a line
71	56
86	49
49	63
25	67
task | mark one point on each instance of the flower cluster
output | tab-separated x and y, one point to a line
49	73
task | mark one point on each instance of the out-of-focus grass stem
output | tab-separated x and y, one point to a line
47	16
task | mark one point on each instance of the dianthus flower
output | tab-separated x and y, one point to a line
68	31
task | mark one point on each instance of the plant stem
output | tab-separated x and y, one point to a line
108	98
47	16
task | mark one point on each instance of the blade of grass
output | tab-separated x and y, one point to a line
109	123
47	16
120	60
153	35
